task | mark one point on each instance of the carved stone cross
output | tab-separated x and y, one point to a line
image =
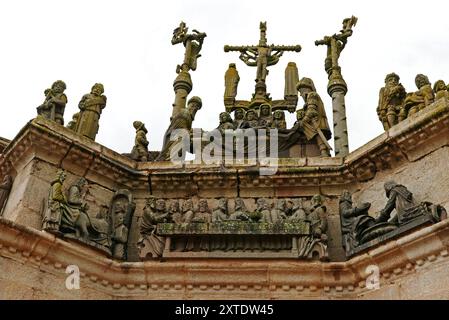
262	55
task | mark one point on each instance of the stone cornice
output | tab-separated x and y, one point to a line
63	148
408	141
247	278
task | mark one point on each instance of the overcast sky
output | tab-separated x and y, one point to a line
126	46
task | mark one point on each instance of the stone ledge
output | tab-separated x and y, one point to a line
245	276
407	141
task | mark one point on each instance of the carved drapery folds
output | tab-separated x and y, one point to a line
91	106
66	214
275	228
401	214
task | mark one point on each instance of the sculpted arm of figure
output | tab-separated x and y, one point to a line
347	211
148	220
389	207
429	97
57	193
59	100
81	104
252	51
274	58
104	101
162	217
248	59
142	139
379	105
311	113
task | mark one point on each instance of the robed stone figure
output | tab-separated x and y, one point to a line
91	106
314	123
181	121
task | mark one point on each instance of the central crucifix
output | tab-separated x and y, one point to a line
261	56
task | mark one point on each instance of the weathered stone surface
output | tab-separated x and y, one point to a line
427	171
412	267
413	153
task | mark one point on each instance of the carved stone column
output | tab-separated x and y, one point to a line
337	89
182	86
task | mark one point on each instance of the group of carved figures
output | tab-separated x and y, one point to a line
86	121
184	211
281	211
395	105
311	121
67	214
262	119
401	209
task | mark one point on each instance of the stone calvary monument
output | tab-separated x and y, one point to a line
264	211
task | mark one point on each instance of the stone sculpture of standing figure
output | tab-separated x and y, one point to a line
193	42
181	121
314	122
291	79
149	243
91	106
140	149
232	79
55	101
335	45
120	236
354	220
391	97
5	188
315	245
56	199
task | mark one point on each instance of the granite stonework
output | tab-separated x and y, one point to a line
33	265
413	153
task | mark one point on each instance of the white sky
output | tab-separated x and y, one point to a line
126	46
